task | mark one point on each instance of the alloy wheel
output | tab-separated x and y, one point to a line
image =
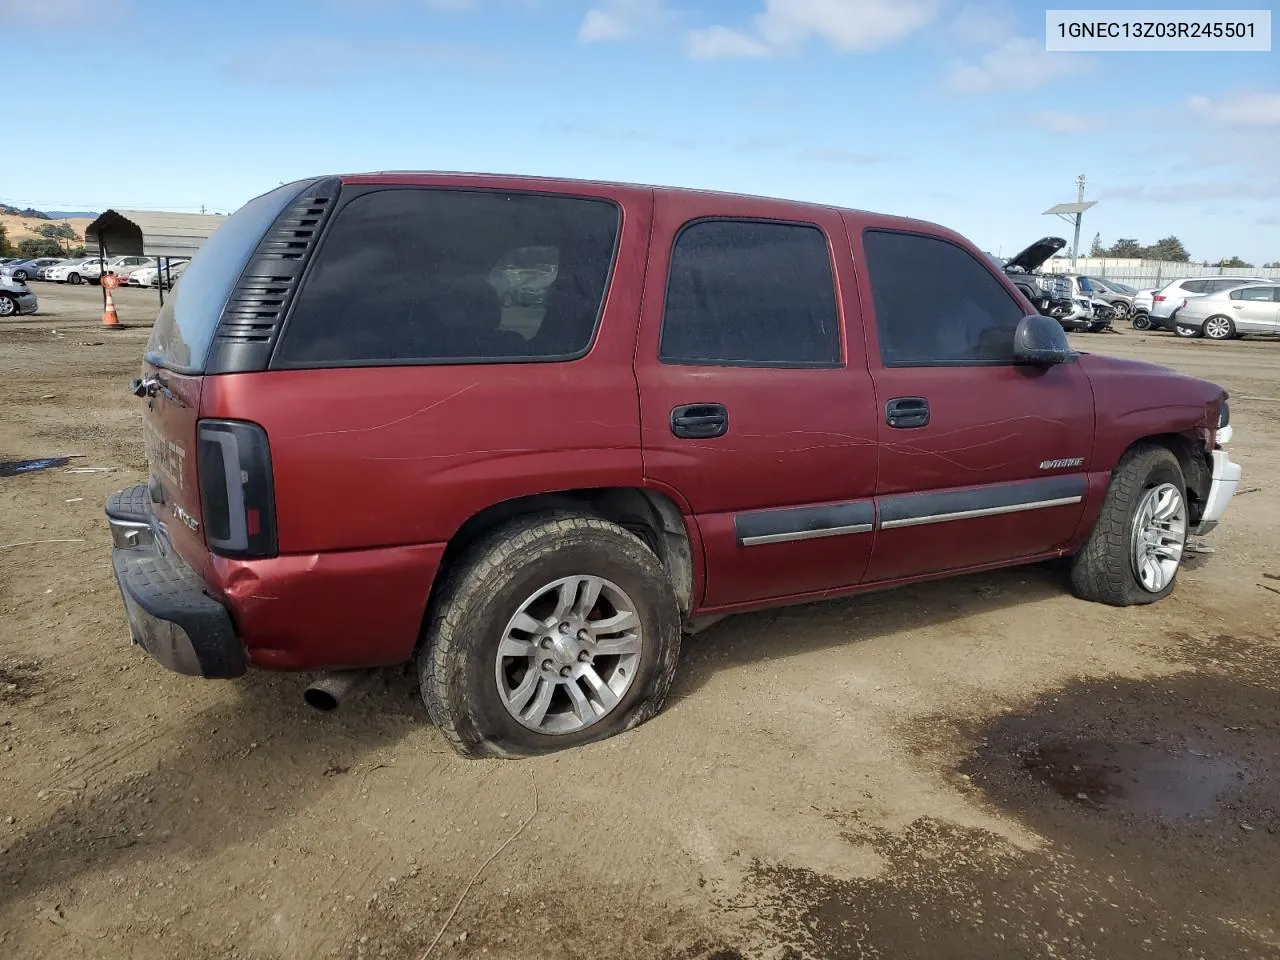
1158	536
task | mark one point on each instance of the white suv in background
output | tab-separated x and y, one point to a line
1166	301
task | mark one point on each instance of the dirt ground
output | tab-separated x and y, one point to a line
985	767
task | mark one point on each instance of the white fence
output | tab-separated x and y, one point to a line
1151	274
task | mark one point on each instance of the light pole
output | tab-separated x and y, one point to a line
1072	213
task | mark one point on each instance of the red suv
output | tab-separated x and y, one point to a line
526	432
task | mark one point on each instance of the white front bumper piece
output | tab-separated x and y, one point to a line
1226	477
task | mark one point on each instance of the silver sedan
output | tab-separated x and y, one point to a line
1231	313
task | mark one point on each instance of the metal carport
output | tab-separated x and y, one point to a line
150	233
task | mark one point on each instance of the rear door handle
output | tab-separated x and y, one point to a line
906	412
699	421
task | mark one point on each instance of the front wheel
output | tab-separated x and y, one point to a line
1135	550
1219	328
554	632
8	306
1141	321
20	276
73	279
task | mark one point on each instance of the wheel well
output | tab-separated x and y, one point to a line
1195	465
650	515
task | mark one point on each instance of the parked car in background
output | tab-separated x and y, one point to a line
376	463
1121	300
1227	314
1050	294
1140	311
1169	298
154	275
116	265
73	271
25	270
15	299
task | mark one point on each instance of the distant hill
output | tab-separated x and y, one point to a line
70	214
29	213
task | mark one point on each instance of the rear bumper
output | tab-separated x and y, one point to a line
343	609
1226	477
171	614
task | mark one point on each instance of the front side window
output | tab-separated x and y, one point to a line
453	276
935	304
751	293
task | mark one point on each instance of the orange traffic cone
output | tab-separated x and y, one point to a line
109	317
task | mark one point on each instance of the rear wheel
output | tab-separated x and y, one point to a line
1135	550
1141	321
8	306
1219	328
554	632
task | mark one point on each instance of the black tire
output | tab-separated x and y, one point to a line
20	276
1121	308
1102	571
8	306
486	587
1141	321
73	279
1211	330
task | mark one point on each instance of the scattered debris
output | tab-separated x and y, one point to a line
1265	587
1241	493
30	543
11	468
91	470
73	500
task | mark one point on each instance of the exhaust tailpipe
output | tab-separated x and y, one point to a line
330	690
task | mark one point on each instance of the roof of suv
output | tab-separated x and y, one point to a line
562	184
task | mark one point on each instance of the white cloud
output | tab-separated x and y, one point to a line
1057	122
985	25
1241	109
783	26
1020	63
45	13
619	19
724	43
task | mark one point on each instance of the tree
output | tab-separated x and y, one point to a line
1232	262
1095	250
1170	248
32	247
1129	249
1273	264
6	250
62	233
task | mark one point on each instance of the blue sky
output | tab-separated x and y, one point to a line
942	109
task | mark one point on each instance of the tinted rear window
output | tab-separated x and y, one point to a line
186	323
429	275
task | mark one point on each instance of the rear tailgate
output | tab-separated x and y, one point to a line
171	409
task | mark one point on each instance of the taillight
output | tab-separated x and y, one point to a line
237	497
1158	298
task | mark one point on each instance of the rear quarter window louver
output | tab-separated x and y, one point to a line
251	319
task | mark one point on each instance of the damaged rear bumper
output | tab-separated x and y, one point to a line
171	614
1225	479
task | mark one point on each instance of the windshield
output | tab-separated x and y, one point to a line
186	323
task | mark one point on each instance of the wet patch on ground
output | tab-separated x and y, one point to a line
19	679
1158	801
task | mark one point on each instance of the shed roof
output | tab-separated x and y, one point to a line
151	233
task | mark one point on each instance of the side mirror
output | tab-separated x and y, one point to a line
1041	341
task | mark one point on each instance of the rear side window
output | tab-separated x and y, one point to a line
751	293
451	276
936	304
1254	293
1196	286
186	323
